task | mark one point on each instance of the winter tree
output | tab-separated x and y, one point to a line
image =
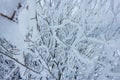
66	40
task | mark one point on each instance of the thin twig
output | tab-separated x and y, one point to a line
20	63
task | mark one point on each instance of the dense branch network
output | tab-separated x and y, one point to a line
70	40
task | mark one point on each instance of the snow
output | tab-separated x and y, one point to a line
85	44
10	31
9	6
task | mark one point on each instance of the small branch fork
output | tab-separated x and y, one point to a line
13	14
7	17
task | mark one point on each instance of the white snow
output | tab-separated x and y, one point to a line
15	32
7	7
